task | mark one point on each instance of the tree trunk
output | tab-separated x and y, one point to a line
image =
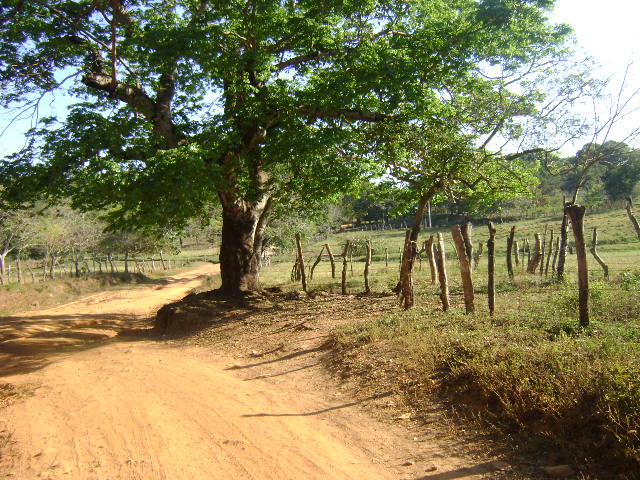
632	217
562	252
315	264
465	268
332	260
126	260
441	260
509	252
2	268
576	215
301	262
367	264
533	263
345	260
406	274
594	252
239	257
432	260
110	260
491	282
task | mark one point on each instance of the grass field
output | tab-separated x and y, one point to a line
529	369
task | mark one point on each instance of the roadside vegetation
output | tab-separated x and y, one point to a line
529	369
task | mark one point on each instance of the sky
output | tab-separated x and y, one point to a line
606	31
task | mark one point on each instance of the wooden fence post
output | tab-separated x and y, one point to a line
491	282
367	263
332	260
549	254
386	258
466	230
442	273
576	215
406	275
562	251
465	268
632	217
533	263
555	256
316	263
542	249
345	259
432	260
517	252
301	262
594	252
509	252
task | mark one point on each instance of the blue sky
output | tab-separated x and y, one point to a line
606	31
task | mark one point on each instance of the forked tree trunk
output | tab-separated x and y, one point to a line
332	260
432	260
441	260
367	264
345	259
632	217
315	264
465	268
510	251
301	262
594	252
491	282
576	215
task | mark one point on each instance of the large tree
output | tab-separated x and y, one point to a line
257	103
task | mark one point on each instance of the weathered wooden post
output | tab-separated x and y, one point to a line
533	263
332	260
549	254
301	262
386	258
345	260
632	217
406	275
594	252
316	263
527	248
576	215
441	260
555	256
562	251
509	252
367	263
466	230
465	268
491	282
477	255
432	260
542	249
516	247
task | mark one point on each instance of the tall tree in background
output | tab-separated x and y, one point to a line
257	103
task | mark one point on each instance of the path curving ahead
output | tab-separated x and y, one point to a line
108	409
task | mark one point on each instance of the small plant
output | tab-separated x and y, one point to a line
630	279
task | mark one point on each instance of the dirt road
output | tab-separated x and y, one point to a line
104	408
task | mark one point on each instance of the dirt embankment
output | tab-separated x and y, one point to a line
246	398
